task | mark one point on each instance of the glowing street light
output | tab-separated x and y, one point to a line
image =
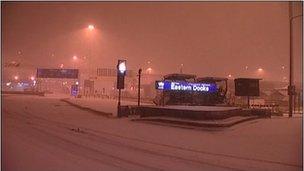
16	77
91	27
260	69
32	78
149	70
229	76
75	57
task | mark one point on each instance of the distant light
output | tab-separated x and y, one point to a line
74	57
246	67
149	62
8	84
16	77
149	70
77	83
34	82
283	67
61	65
182	64
229	75
260	69
91	27
32	78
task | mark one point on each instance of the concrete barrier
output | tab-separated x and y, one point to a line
154	111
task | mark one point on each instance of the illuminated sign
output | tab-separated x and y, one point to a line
74	90
185	86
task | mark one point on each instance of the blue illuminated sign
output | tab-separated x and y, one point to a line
74	90
185	86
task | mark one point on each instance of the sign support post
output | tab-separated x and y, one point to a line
138	98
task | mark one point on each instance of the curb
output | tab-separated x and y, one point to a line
108	115
184	124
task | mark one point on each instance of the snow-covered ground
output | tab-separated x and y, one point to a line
43	133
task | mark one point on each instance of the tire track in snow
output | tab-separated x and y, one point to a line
75	148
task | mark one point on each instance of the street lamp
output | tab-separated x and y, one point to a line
181	68
16	77
91	27
75	58
32	78
90	34
291	87
149	70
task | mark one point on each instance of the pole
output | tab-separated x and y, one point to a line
181	68
248	104
294	102
138	98
290	62
118	105
291	87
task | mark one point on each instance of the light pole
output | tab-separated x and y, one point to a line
181	68
291	87
91	28
74	61
138	98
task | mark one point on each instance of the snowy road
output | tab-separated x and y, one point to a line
41	133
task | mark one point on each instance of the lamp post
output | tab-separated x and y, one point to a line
291	87
139	75
91	28
181	68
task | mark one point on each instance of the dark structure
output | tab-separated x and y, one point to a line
247	87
